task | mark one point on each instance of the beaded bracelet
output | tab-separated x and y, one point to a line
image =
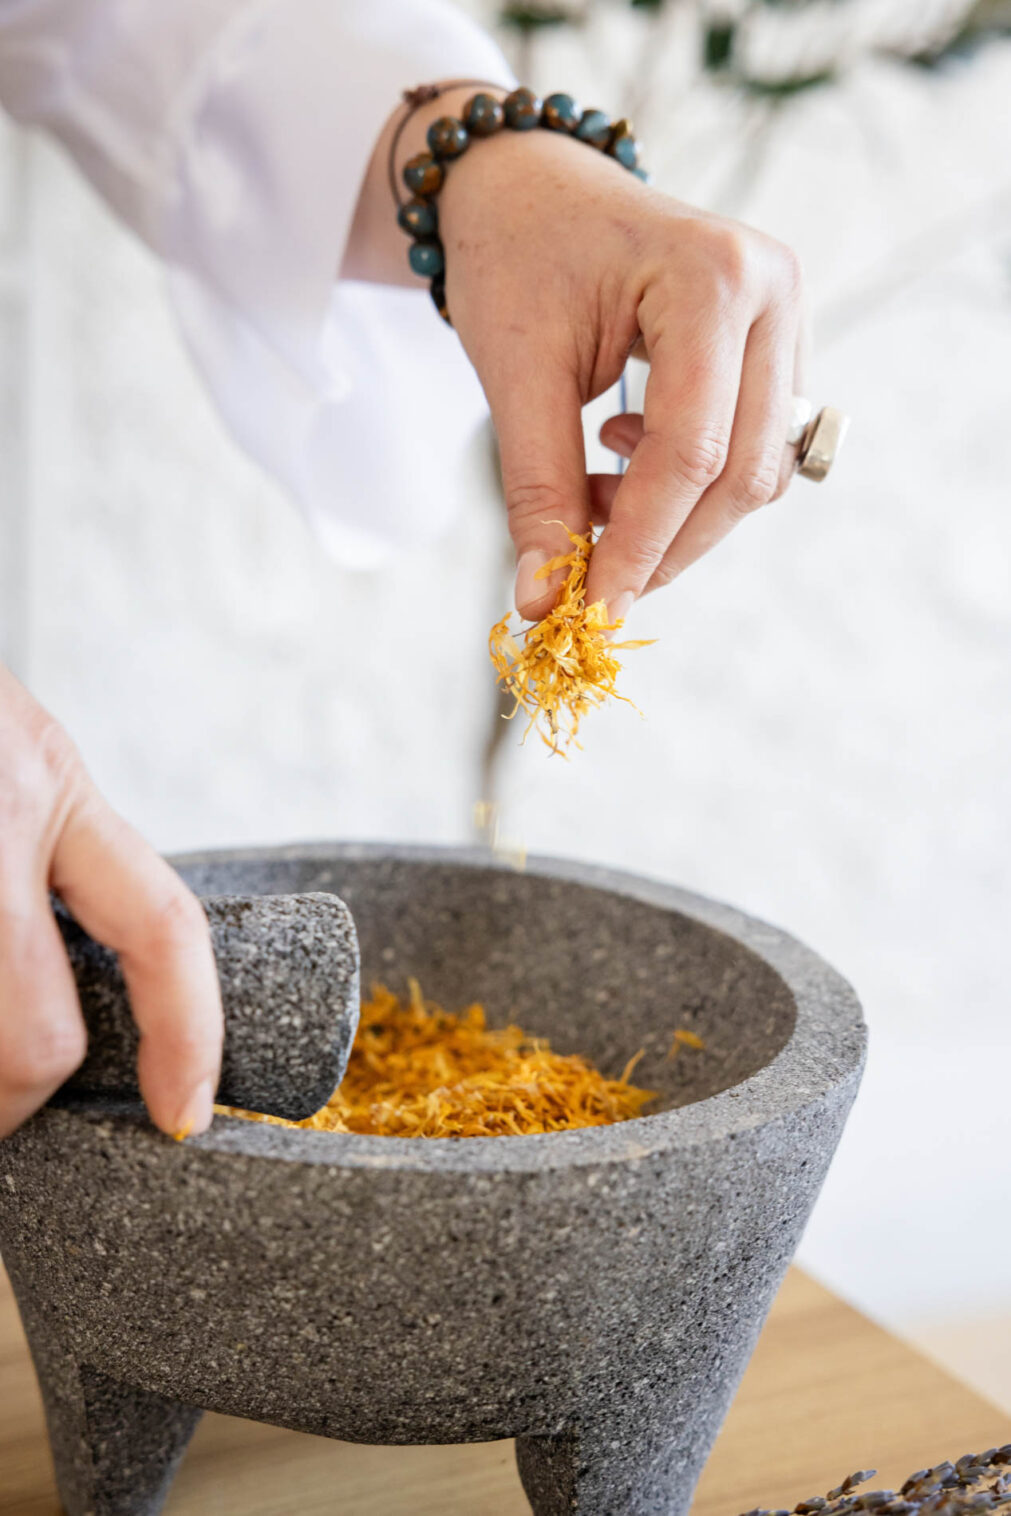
449	137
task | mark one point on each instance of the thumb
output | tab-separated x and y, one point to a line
538	420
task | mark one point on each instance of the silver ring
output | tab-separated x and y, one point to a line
819	445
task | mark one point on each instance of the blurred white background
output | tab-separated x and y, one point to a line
828	727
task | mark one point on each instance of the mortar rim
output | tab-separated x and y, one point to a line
824	1053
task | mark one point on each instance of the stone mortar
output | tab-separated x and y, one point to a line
595	1294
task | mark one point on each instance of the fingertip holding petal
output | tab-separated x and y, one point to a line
530	587
566	664
620	607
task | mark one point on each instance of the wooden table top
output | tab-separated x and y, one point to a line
826	1392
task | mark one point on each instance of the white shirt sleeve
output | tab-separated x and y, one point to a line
232	136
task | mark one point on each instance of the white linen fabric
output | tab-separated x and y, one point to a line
232	136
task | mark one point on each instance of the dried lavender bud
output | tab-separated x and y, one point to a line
948	1489
915	1479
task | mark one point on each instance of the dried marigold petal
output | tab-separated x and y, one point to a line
418	1071
567	663
687	1039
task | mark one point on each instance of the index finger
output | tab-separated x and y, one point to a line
127	897
538	420
42	1038
691	397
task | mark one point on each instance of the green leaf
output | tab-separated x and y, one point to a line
531	17
784	89
718	45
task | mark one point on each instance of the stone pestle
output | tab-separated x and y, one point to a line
288	966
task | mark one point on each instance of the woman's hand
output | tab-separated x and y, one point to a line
559	265
57	833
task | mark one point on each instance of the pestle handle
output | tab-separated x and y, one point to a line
288	966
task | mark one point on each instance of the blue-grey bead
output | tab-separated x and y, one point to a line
522	110
427	259
483	115
422	175
595	128
560	113
447	137
626	150
419	218
643	174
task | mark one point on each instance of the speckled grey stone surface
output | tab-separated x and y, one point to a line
288	967
595	1294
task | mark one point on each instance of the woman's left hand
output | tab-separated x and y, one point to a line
559	265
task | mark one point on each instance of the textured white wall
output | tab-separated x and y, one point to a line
827	732
224	679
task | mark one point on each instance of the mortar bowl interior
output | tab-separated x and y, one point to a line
605	969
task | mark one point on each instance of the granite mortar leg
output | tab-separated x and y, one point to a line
116	1449
610	1467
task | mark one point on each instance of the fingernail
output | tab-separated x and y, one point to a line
198	1113
621	605
530	589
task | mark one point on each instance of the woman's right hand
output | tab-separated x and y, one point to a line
58	834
